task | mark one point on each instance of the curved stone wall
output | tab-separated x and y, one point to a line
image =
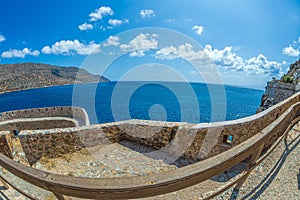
60	111
196	141
38	123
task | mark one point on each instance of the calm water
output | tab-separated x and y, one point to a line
189	102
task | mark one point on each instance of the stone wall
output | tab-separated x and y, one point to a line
6	144
57	142
37	123
279	91
50	144
196	141
61	111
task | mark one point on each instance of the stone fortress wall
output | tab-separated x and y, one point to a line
78	114
280	91
16	125
196	141
13	122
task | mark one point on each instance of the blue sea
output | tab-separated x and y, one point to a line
163	101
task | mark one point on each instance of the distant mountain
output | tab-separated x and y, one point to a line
34	75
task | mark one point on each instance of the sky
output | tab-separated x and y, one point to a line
243	43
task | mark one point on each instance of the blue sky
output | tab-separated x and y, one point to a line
248	41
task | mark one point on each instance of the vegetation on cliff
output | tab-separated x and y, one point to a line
34	75
278	90
294	72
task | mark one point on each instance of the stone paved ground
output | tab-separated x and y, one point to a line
278	177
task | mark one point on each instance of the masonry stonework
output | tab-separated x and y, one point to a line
61	111
196	141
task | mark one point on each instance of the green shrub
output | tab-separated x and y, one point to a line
287	79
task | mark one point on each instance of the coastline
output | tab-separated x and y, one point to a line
47	86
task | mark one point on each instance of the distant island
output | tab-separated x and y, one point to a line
21	76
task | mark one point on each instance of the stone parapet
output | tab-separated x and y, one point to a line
60	111
196	141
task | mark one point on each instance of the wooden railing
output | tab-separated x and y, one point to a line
64	187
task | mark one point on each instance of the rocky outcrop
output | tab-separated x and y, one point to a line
266	102
34	75
279	90
294	71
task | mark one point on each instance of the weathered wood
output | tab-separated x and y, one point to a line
4	183
17	189
30	175
251	163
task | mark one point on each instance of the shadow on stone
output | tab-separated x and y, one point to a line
2	195
230	173
234	195
298	176
145	150
263	185
2	188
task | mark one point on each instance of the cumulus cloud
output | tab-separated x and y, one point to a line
117	22
293	49
261	65
198	29
2	38
184	51
69	47
85	26
100	13
140	44
147	13
14	53
112	41
225	58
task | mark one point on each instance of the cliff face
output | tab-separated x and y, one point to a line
278	90
294	71
33	75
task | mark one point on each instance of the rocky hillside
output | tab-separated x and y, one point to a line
294	71
33	75
279	90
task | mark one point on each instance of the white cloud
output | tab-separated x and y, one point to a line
228	59
261	65
140	44
85	26
296	41
147	13
225	58
68	47
100	13
112	41
137	53
184	51
117	22
14	53
291	51
2	38
167	53
198	29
